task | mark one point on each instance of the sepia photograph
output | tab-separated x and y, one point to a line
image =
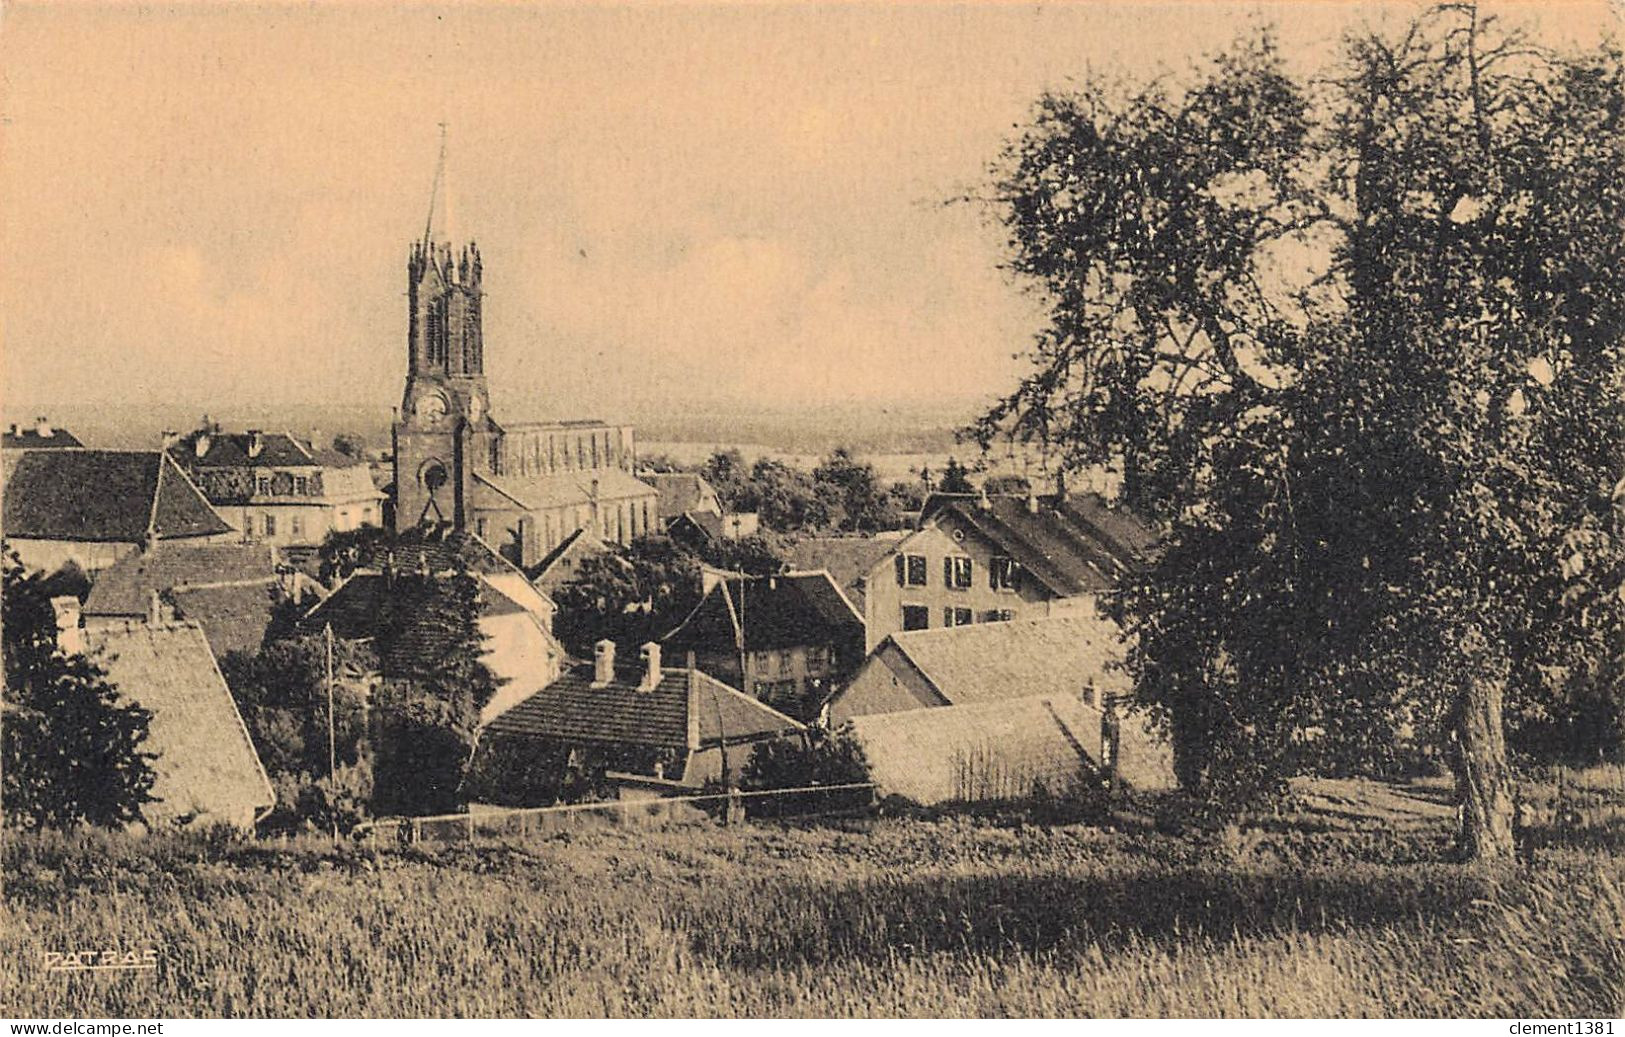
986	510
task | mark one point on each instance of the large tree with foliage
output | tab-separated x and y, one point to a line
435	682
1356	341
72	744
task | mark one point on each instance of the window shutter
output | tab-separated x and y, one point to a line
947	572
900	564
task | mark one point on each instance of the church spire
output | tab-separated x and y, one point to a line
439	195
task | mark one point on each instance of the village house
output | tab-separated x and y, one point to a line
991	711
788	639
230	590
524	487
683	492
698	528
678	725
987	558
94	507
516	619
276	488
206	767
38	436
847	559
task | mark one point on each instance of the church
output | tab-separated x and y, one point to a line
522	488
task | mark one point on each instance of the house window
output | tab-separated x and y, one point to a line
263	485
956	617
270	524
298	525
1004	574
496	457
910	570
916	617
301	486
998	616
479	528
956	573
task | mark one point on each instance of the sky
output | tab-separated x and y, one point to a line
678	205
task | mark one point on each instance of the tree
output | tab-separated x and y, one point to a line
281	691
955	478
71	744
435	683
351	444
631	595
1357	343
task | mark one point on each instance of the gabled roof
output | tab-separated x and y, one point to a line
234	617
126	588
686	710
783	611
30	438
558	566
1059	655
231	450
115	496
847	559
704	526
1074	544
680	491
559	489
983	750
355	605
206	763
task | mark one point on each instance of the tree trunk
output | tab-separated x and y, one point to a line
1483	779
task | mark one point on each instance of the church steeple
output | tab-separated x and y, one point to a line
444	429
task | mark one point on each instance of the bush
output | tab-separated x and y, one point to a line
819	758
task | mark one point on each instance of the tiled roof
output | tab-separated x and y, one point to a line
234	617
573	709
798	608
206	763
126	588
356	604
560	489
706	524
1059	656
103	495
231	450
30	439
983	751
1073	545
679	491
846	559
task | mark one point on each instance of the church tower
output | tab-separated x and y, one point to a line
443	432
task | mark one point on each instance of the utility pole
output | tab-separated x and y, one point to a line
332	747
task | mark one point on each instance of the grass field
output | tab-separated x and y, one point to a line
1342	908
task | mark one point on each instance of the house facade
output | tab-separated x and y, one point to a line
276	488
988	559
788	640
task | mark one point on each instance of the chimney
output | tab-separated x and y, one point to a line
43	428
603	663
1032	499
201	446
651	667
70	636
169	437
16	429
256	442
981	499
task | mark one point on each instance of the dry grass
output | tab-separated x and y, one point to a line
890	917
